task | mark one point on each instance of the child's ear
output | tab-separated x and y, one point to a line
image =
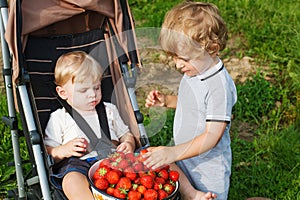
61	92
215	49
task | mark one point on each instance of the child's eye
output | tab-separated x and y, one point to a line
82	91
184	59
97	88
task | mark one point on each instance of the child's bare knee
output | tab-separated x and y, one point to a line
73	177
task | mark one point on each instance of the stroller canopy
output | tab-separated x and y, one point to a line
37	15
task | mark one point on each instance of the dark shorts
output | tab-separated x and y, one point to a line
72	164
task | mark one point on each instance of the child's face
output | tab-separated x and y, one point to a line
194	66
82	96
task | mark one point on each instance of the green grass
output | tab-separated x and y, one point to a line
6	173
269	166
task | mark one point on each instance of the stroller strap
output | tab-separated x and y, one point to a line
103	146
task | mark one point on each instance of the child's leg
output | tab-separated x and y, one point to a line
187	191
76	186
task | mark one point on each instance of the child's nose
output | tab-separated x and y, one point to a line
91	94
179	65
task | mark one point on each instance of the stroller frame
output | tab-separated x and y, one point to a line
40	161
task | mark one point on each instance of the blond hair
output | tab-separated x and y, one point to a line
77	66
196	24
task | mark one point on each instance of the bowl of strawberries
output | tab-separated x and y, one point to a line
124	176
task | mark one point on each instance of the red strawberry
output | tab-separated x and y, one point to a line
162	194
114	165
150	194
140	156
160	180
130	157
167	167
147	181
169	188
124	183
105	162
173	175
110	191
157	186
123	164
119	193
101	183
138	167
163	174
129	172
142	173
96	175
112	177
119	172
152	173
134	195
141	189
143	151
116	156
101	172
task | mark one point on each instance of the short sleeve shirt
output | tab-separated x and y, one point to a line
206	97
61	127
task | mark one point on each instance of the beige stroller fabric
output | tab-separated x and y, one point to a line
55	17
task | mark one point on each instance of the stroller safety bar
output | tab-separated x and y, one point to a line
11	120
35	140
130	77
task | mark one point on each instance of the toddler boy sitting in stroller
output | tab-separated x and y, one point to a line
78	80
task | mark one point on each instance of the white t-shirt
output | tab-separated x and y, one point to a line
62	128
206	97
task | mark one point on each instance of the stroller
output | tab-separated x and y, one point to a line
33	36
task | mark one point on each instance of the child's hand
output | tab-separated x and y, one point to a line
155	98
125	147
157	157
205	196
76	147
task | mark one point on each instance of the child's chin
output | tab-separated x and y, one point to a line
190	74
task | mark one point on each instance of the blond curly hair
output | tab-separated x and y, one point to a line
77	66
193	25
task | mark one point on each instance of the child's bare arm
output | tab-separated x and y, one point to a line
127	143
76	147
164	155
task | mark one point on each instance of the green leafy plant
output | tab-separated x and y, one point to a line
256	98
164	135
6	173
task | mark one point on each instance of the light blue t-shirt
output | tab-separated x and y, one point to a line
206	97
